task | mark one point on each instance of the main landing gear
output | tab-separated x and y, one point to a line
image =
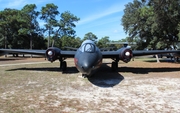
63	65
114	65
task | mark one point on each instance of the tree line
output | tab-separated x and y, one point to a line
21	29
153	24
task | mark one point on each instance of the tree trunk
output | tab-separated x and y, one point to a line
5	44
48	39
30	44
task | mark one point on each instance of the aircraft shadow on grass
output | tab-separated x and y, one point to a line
52	69
104	77
166	60
146	70
9	59
162	60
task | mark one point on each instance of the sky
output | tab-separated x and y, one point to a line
101	17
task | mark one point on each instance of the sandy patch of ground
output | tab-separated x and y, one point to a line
137	86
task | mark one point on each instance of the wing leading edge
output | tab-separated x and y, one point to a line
153	52
113	54
35	52
23	51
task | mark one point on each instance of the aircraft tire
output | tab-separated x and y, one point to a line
84	75
114	66
60	64
64	65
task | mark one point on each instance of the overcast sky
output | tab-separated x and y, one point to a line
101	17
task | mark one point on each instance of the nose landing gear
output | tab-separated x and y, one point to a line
84	75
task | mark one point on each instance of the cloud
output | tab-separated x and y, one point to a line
15	3
115	31
18	4
111	10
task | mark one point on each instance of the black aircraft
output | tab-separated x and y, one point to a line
88	58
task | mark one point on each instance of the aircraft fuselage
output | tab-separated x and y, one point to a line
88	58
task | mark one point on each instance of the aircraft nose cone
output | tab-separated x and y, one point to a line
87	62
86	68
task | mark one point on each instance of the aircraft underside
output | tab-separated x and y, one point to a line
114	66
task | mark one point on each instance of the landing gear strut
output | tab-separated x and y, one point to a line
114	65
63	65
84	75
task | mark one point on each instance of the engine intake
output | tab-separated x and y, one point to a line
126	55
53	54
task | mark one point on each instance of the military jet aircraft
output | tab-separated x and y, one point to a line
88	57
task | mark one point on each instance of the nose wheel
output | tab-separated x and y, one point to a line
85	75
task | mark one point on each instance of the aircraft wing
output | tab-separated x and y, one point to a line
153	52
114	54
35	52
23	51
71	48
110	54
68	54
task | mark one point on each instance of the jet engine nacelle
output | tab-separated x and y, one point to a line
53	54
125	55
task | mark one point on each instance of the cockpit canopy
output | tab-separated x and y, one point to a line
88	46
